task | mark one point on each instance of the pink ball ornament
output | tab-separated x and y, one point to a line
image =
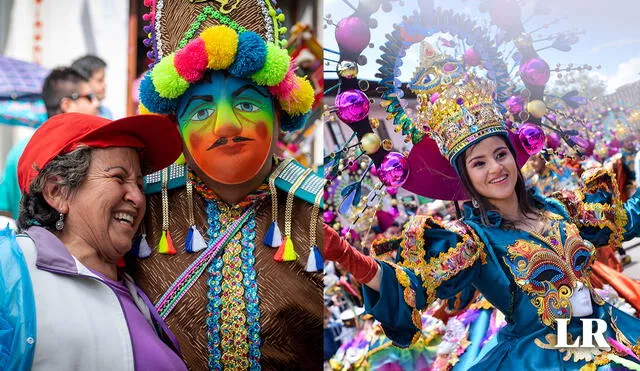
352	106
612	150
515	104
532	138
328	216
392	191
471	57
354	166
394	170
352	35
535	72
373	170
554	140
394	212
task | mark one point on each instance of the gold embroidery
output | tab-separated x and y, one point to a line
233	331
549	274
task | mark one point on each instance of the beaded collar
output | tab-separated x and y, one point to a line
207	193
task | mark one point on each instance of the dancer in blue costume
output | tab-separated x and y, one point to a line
529	255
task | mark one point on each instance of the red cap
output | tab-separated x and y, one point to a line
156	135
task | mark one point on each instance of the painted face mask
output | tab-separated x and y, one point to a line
550	271
227	125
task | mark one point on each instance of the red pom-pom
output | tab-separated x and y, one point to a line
191	61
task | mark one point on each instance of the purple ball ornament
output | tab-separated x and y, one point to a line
328	216
394	170
535	72
532	138
554	140
352	35
515	104
352	106
471	57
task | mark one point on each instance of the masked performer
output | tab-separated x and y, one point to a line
248	298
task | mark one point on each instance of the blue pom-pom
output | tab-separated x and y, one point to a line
293	123
152	100
251	55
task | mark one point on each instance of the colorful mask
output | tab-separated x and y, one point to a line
549	273
227	126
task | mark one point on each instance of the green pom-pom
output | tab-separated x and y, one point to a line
275	67
167	80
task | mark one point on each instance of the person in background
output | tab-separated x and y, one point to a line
94	70
64	90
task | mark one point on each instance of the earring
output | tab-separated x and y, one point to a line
60	222
475	203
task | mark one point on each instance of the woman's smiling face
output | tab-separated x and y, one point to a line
492	169
227	125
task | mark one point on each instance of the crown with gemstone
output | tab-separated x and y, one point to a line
458	114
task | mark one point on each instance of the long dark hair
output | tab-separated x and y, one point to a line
525	202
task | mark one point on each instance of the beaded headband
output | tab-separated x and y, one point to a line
227	47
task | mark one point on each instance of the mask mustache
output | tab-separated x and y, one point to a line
223	141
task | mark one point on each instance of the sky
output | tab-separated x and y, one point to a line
611	35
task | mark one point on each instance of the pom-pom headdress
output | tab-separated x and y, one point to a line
244	40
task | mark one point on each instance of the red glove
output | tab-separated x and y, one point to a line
362	267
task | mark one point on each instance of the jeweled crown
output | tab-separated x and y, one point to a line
459	114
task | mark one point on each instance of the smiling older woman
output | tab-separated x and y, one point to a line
67	305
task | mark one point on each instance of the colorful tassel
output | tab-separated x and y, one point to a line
144	251
166	244
135	246
188	241
315	263
273	238
199	242
286	251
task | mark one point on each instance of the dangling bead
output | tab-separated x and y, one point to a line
120	263
273	237
315	263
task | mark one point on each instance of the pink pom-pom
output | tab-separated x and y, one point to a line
146	16
148	3
287	85
191	61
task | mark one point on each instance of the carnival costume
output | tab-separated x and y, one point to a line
249	297
527	276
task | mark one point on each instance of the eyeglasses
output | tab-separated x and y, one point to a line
75	96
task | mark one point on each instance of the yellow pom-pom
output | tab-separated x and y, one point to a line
142	110
221	43
275	67
166	79
300	100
